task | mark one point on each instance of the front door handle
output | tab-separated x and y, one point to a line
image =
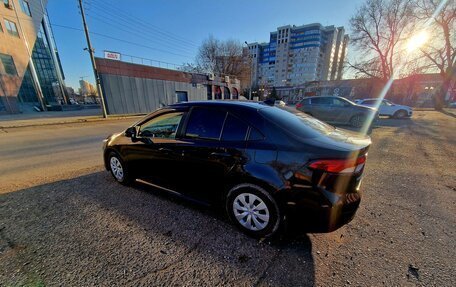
220	154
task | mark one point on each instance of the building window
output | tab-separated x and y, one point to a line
181	97
11	28
8	65
7	4
25	7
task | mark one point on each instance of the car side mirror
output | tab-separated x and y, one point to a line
130	132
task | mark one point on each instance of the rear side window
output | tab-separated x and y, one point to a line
295	122
321	101
205	123
235	129
255	135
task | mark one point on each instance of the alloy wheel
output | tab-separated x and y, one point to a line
116	168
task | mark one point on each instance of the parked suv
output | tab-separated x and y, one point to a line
263	164
387	108
337	110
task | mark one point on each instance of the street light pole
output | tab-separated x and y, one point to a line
251	71
92	59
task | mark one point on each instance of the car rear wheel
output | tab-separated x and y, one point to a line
253	211
357	121
118	169
400	114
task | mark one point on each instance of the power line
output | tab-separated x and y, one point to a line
121	28
145	23
135	25
107	8
121	40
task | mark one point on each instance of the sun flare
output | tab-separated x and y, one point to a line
417	41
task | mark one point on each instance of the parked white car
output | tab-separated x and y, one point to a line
387	108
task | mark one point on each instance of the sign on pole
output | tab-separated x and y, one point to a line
112	55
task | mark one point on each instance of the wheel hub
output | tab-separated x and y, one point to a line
251	211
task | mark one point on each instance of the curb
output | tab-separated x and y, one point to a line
74	121
448	113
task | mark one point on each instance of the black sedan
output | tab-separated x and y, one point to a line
265	165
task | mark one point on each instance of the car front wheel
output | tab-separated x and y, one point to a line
118	169
253	211
400	114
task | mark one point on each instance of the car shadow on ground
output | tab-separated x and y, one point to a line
90	230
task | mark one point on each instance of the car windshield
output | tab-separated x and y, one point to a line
296	122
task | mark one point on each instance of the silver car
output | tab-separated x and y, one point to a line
337	110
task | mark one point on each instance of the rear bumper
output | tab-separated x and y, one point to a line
321	208
323	218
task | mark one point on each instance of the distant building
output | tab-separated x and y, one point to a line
87	89
298	54
132	88
30	70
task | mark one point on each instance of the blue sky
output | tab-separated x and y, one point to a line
170	31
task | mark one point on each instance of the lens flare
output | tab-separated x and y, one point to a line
417	41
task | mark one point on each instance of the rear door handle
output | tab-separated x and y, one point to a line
165	150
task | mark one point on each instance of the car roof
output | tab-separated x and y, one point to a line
223	103
317	97
372	99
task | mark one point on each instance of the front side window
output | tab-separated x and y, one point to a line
11	28
7	3
25	7
205	123
234	129
369	102
339	103
8	65
321	101
163	126
386	103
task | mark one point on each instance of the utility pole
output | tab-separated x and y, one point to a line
92	58
251	70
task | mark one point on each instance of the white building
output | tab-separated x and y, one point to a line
298	54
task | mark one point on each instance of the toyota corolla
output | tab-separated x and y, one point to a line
267	166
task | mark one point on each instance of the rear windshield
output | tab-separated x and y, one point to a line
295	122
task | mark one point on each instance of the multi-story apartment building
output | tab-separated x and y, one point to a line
30	70
298	54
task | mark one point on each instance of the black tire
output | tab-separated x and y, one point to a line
274	221
125	178
400	114
357	121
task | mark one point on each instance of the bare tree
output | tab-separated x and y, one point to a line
191	68
222	57
380	28
441	50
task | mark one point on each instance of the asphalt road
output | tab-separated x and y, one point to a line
64	221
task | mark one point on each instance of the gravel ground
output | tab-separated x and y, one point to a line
76	227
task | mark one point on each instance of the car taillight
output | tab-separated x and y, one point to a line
298	105
339	165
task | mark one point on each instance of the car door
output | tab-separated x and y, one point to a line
207	158
320	108
340	110
387	108
154	154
